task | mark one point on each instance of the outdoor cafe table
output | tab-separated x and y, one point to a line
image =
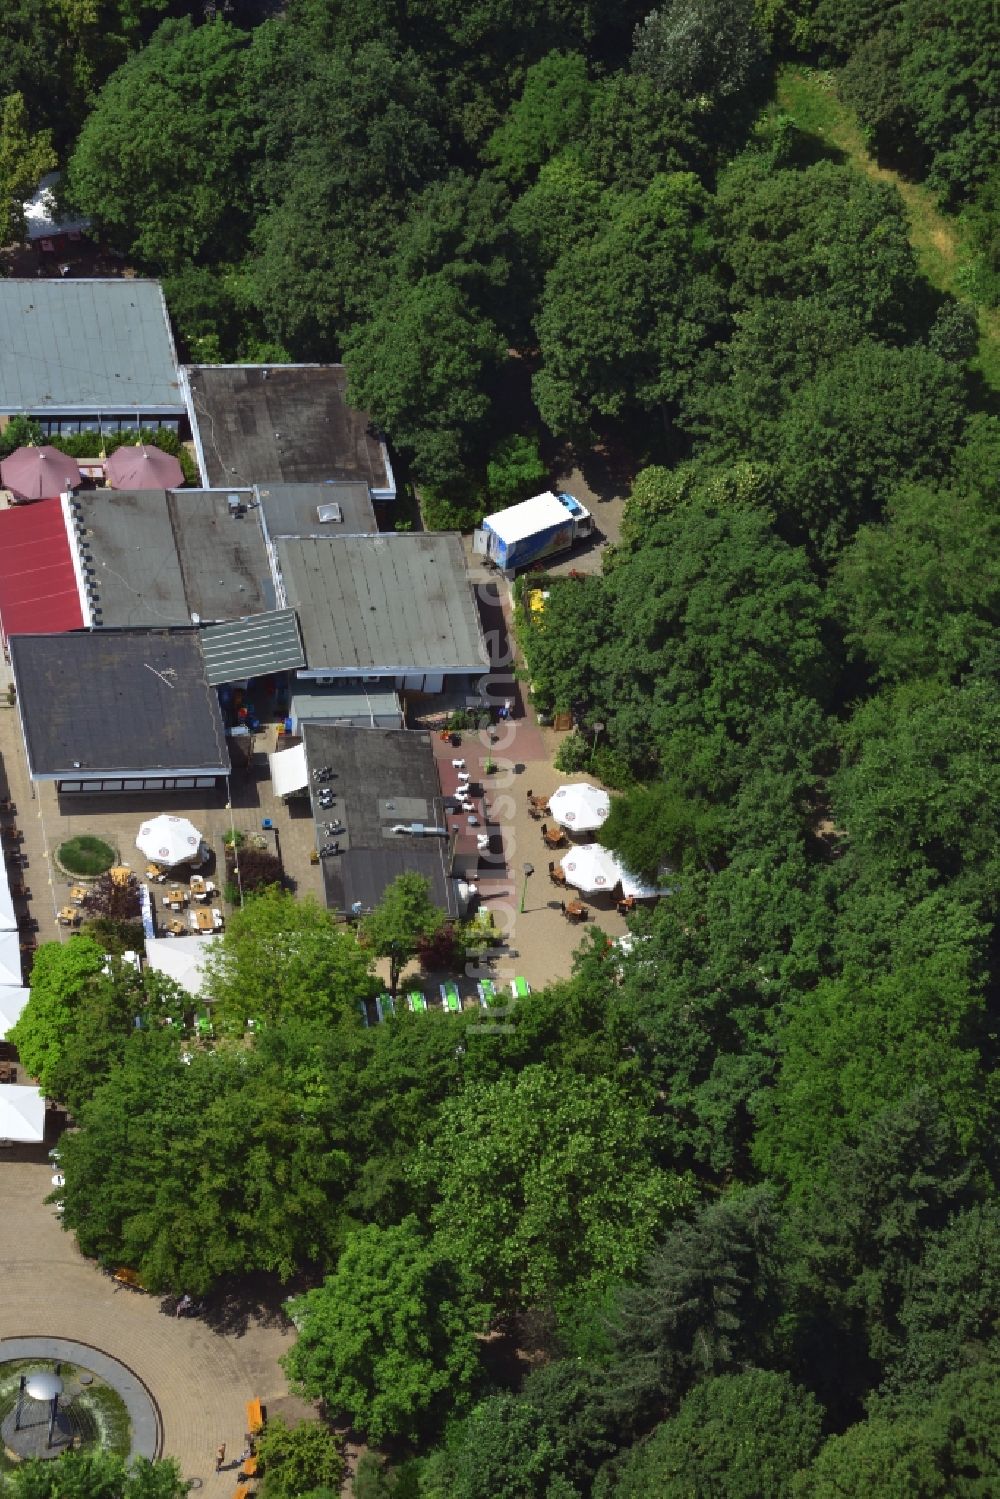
176	897
77	894
68	916
198	886
202	920
176	927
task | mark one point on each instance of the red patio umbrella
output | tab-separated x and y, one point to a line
143	468
39	473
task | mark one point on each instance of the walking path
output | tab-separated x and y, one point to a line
200	1379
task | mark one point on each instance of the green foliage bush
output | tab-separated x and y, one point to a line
86	855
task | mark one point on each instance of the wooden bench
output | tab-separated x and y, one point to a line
248	1469
255	1417
243	1492
126	1277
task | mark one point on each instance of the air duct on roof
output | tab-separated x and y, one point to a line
419	830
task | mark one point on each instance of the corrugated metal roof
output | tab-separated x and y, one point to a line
386	603
253	647
86	346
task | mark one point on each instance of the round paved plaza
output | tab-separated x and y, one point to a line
198	1381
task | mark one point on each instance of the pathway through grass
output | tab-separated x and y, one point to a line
809	97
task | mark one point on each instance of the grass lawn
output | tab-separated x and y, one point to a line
809	97
86	855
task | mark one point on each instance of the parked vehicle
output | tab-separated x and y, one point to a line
536	528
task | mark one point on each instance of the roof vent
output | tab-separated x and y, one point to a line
235	504
331	512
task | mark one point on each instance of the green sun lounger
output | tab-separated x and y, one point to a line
203	1024
487	993
450	999
417	1002
520	988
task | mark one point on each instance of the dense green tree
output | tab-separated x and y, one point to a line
636	132
624	314
851	1047
553	109
709	51
875	417
741	1435
917	791
948	1318
703	1304
281	957
822	231
195	1166
651	825
920	593
62	973
160	165
716	628
95	1474
880	1459
24	158
390	1338
422	367
546	1441
298	1458
546	1182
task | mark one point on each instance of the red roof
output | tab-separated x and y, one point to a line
38	591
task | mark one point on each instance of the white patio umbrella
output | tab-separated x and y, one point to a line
170	840
582	808
22	1113
590	867
12	1002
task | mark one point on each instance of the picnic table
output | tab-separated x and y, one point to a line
78	894
205	920
576	911
68	916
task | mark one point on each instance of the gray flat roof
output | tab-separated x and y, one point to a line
292	509
159	556
86	346
281	424
117	700
382	778
253	647
348	705
387	603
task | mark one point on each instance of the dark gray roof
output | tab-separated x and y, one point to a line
383	778
117	700
386	603
281	424
87	346
253	647
157	557
292	509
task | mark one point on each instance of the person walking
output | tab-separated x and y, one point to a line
220	1456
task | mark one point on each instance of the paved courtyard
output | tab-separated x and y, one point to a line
200	1379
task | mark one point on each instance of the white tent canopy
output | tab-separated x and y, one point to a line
8	918
10	959
170	840
580	807
289	771
590	867
12	1001
182	959
22	1113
